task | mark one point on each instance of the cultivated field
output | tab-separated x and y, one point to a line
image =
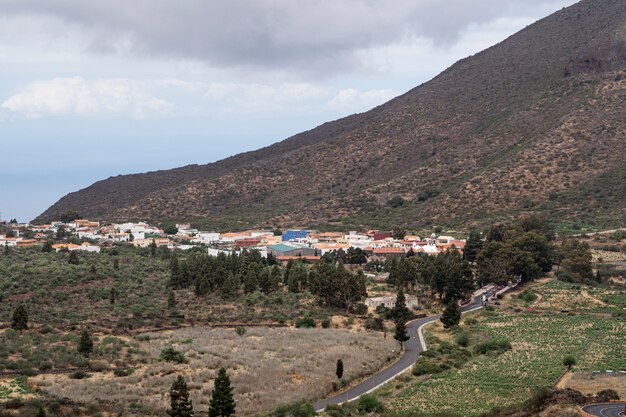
559	295
268	367
539	344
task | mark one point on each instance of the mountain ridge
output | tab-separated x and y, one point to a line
536	117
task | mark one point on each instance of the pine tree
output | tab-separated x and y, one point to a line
339	371
222	403
20	318
153	248
116	264
203	286
112	294
73	259
451	315
180	403
401	334
85	344
472	246
175	278
400	310
230	286
171	300
250	281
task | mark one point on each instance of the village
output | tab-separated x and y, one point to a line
309	245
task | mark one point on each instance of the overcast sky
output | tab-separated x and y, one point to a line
91	89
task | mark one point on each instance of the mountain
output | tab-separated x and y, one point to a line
536	123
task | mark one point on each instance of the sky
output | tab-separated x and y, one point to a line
92	89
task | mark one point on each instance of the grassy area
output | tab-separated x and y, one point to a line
268	367
539	344
558	295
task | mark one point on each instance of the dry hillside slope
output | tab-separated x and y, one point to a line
535	123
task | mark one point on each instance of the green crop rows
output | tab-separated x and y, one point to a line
539	344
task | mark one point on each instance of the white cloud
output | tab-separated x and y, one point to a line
355	101
140	99
76	96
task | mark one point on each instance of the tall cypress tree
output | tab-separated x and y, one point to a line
339	369
222	403
153	248
451	315
85	344
180	404
20	318
401	334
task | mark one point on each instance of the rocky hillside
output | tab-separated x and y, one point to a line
535	123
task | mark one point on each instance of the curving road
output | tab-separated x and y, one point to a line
412	349
605	409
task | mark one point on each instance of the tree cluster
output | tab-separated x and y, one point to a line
522	251
447	274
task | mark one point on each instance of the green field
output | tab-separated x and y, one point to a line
539	344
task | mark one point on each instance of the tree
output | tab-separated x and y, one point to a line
85	344
153	248
473	245
47	247
230	286
401	334
73	258
339	371
251	280
116	264
180	404
20	318
171	300
112	294
61	233
40	412
400	311
451	315
222	403
569	361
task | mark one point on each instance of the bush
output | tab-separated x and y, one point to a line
426	366
369	404
305	322
123	371
300	409
527	295
462	339
497	346
375	324
170	354
358	308
607	395
395	201
326	323
79	375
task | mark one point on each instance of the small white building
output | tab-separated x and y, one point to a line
390	301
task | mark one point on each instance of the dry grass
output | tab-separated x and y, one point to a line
589	384
267	367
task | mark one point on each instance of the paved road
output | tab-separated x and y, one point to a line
605	410
412	349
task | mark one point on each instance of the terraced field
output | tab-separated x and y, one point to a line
539	344
558	295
